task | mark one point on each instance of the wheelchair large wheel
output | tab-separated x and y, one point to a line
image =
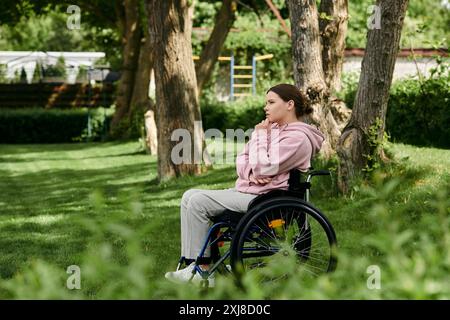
280	227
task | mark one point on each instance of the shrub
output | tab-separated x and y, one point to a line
349	88
418	110
38	125
244	114
57	70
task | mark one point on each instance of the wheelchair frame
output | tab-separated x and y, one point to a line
298	192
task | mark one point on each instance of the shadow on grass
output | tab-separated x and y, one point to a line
39	210
8	149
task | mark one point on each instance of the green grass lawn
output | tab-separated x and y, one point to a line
46	189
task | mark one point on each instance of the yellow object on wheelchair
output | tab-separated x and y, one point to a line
277	226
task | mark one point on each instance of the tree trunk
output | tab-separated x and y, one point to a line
151	133
131	36
177	104
140	100
308	72
360	142
210	53
333	27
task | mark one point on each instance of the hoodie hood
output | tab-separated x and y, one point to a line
315	137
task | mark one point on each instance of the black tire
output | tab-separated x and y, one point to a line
304	229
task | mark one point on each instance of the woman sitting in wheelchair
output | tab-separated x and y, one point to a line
281	142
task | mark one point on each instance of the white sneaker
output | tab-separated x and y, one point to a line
186	274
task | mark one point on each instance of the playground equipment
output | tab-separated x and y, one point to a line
242	84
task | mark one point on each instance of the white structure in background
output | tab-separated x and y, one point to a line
404	67
16	60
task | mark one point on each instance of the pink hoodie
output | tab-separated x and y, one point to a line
274	153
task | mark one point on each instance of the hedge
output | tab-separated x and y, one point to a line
243	114
37	125
419	112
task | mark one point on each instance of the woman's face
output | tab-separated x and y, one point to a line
276	109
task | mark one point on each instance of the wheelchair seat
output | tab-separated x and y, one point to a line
296	189
228	216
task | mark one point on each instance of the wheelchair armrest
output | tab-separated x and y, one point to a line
319	173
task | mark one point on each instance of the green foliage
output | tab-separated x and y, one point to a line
99	122
38	125
272	39
130	126
349	82
38	73
428	16
82	75
23	76
244	114
43	27
48	32
57	70
357	23
2	73
426	23
205	13
42	33
422	29
243	45
418	111
376	144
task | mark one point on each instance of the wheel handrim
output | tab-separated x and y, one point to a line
303	232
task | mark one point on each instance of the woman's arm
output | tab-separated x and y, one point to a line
285	153
244	170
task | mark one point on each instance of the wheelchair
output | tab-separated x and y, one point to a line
279	222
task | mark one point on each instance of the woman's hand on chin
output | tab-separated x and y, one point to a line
263	125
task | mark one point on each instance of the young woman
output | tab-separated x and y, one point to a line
281	142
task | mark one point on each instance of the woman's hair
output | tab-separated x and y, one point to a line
290	92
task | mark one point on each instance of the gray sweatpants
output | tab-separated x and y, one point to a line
197	206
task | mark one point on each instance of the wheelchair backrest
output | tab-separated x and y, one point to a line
295	182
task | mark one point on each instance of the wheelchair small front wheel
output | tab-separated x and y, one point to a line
282	227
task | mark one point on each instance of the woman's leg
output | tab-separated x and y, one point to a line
196	209
184	221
